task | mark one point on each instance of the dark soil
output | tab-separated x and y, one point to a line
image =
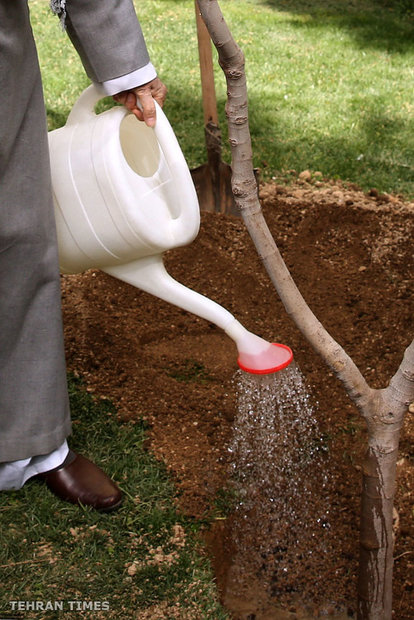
351	254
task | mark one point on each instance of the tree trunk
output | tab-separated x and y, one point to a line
384	417
383	410
376	544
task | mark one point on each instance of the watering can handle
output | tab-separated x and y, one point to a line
84	107
84	110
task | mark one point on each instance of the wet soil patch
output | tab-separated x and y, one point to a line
351	255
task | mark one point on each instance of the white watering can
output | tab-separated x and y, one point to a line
123	195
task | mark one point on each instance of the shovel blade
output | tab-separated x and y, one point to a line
213	189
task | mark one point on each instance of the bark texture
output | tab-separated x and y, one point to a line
383	410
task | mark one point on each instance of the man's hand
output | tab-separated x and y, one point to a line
145	94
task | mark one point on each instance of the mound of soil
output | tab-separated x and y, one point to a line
351	256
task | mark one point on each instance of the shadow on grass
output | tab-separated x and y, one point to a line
372	25
376	153
56	118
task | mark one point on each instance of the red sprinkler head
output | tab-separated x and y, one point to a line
273	358
256	355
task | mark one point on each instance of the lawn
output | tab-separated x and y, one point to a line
330	83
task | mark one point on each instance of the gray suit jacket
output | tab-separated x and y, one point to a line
107	36
34	412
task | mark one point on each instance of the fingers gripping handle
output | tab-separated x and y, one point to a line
84	110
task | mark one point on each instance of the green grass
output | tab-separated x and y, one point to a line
330	83
144	556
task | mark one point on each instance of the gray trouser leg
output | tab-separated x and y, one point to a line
34	411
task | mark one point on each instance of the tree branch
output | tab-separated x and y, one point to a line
244	187
401	386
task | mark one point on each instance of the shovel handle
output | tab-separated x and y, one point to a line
206	70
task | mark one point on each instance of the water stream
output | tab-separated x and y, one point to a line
280	529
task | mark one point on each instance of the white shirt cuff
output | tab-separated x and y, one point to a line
14	474
128	81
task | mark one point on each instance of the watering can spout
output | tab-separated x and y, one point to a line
255	354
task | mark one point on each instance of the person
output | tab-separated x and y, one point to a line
34	410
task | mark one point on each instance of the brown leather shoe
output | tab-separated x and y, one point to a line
79	481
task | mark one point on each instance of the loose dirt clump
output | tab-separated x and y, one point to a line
351	255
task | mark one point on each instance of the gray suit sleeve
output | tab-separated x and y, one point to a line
107	37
